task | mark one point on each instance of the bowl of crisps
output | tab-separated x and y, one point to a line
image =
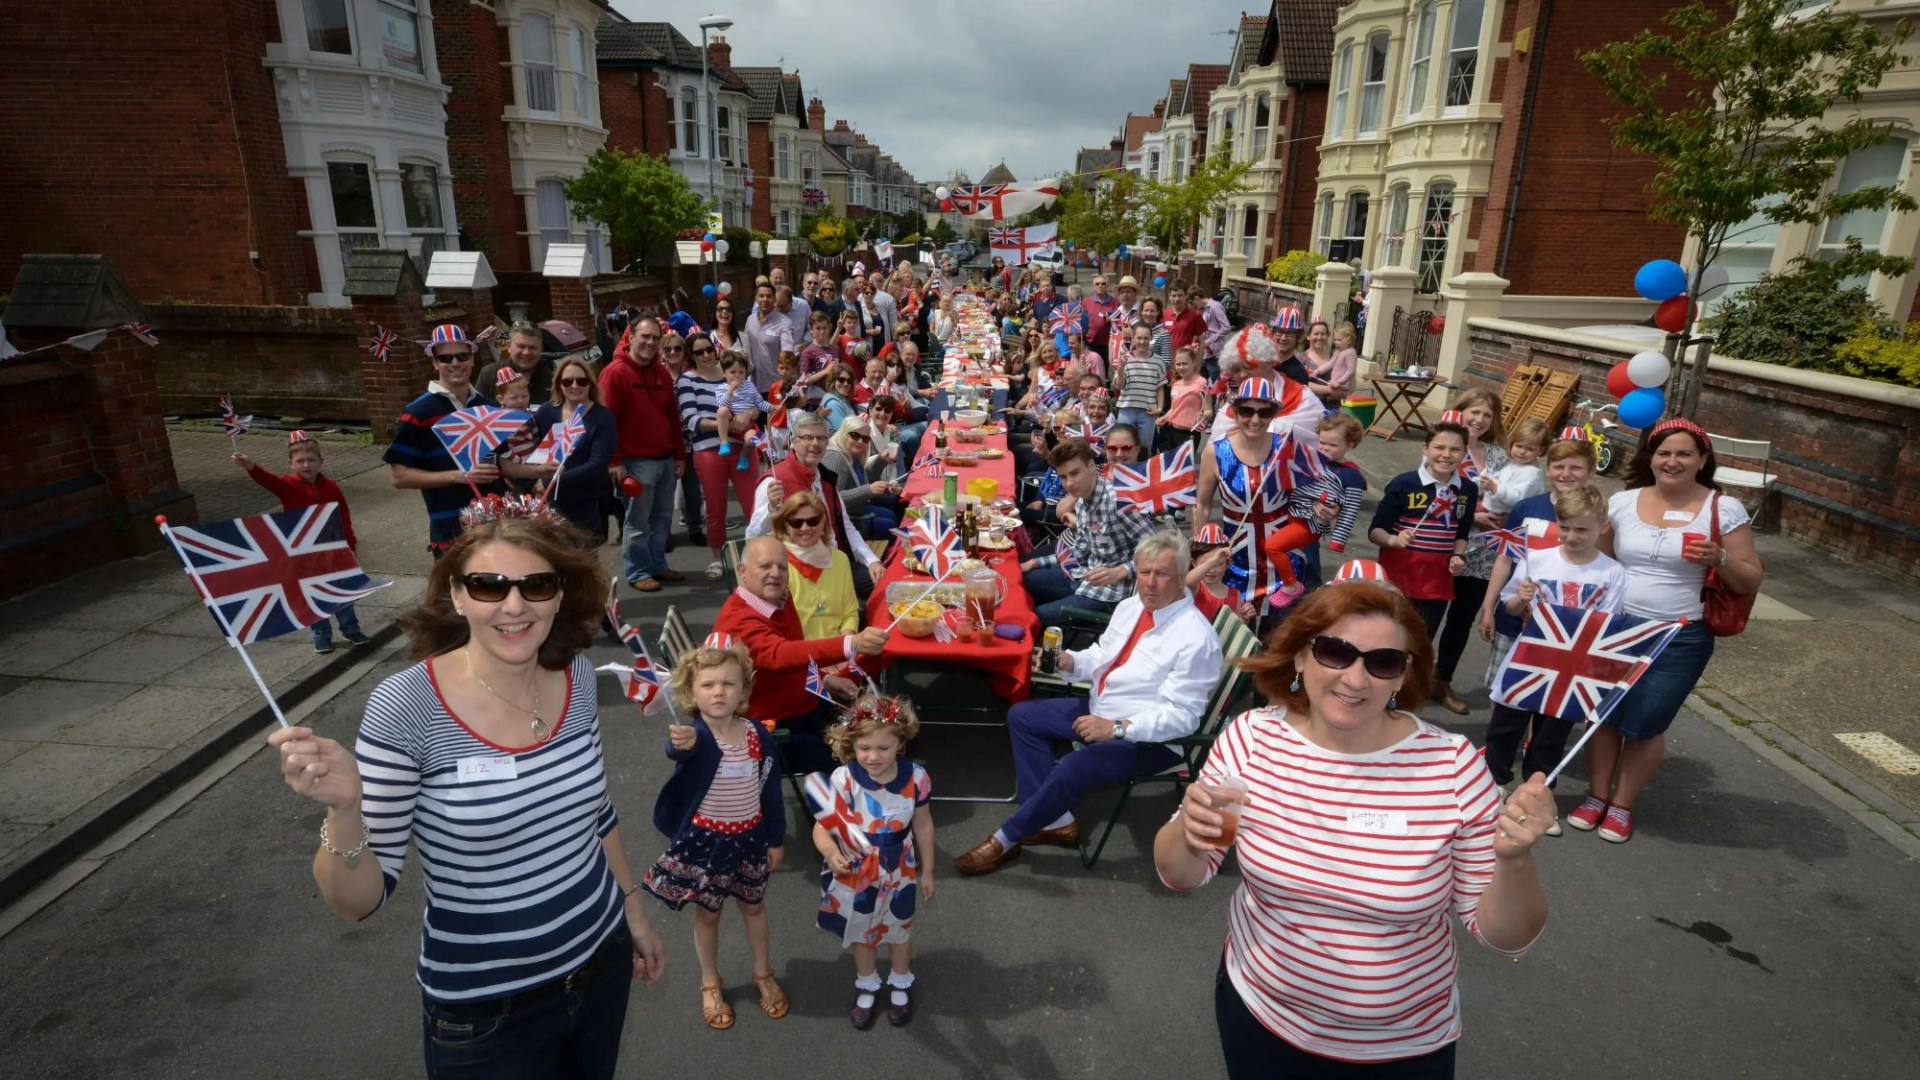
916	620
955	460
969	435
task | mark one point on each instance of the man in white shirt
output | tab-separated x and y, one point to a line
809	446
1151	672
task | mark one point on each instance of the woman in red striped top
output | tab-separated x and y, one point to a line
1361	826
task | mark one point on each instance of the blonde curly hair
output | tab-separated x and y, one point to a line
870	715
697	660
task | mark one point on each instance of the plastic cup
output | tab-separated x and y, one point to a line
1687	540
1228	794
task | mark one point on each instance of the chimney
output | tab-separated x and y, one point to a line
841	125
719	51
859	139
816	114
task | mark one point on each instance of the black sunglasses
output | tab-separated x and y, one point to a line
493	588
1339	654
802	523
1248	413
703	352
576	380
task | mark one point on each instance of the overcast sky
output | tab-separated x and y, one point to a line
945	86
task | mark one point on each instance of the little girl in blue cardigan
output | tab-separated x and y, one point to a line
723	813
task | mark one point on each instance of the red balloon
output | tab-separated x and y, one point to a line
1671	315
1618	384
1437	324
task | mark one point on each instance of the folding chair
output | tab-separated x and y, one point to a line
1761	479
1519	388
1237	640
676	641
730	555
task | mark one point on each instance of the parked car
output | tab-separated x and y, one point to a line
1052	259
963	251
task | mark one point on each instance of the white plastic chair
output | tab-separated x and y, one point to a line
1760	450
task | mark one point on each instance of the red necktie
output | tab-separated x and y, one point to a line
1145	624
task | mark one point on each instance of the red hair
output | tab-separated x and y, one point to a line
1273	670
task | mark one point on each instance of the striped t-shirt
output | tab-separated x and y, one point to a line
732	802
518	889
699	399
1338	939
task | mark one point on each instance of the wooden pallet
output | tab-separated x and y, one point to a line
1518	393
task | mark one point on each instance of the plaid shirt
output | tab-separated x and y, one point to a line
1104	536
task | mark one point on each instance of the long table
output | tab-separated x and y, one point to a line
1007	663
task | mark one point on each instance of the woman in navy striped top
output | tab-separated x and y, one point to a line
486	757
1359	828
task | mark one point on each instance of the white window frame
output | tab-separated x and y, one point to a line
1373	83
1342	78
1747	254
1421	63
1394	250
1852	175
1356	231
1261	126
539	70
1153	164
1249	231
370	237
427	238
723	135
308	12
409	10
1228	131
549	193
783	157
1436	236
687	130
586	96
1463	57
1325	240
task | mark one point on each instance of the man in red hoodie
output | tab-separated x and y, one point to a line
759	616
638	390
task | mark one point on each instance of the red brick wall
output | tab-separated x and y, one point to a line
1848	468
635	111
58	510
154	140
472	49
760	159
273	361
1576	185
1306	119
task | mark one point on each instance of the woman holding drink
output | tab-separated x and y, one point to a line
1359	826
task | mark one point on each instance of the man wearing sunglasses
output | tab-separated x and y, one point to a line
650	447
1151	672
416	459
801	470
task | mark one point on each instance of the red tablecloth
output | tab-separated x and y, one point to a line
1007	663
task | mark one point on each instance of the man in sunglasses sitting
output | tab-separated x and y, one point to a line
1151	672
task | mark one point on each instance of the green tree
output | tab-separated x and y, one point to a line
1732	105
1172	210
942	232
638	197
1101	215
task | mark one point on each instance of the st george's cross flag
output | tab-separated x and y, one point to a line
640	680
1577	664
471	434
275	573
1160	483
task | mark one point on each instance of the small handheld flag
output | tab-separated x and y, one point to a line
235	424
383	342
1160	483
471	434
640	680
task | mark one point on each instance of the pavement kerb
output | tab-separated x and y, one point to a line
81	830
1821	774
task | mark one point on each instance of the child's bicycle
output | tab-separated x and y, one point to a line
1599	431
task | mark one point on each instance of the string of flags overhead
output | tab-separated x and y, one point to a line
86	342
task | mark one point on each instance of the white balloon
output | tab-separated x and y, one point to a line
720	246
1649	370
941	193
725	288
1713	279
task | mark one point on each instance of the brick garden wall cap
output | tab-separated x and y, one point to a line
384	274
76	292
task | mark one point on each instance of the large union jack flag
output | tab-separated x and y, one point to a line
640	680
1577	664
987	199
934	542
276	573
1160	483
471	434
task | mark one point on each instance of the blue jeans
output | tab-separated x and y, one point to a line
349	626
1053	592
1653	701
1049	788
1142	425
548	1032
693	502
649	518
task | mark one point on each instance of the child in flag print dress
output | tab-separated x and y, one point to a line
872	827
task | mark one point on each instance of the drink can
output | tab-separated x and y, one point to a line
1050	650
950	493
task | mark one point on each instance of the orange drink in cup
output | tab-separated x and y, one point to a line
1228	795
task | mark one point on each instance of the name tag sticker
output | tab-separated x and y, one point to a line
735	770
479	769
1676	515
1378	822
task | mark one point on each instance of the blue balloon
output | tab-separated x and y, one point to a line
708	238
1159	281
1123	251
1661	279
708	291
1642	407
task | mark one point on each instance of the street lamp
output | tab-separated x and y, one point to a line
718	24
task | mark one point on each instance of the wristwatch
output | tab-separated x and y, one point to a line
1724	556
1121	727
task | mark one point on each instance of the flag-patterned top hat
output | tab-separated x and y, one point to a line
718	640
1289	318
1571	433
296	437
1362	570
1256	390
447	334
508	374
1210	535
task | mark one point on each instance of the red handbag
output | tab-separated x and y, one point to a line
1724	611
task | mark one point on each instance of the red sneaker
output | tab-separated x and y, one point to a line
1586	817
1618	828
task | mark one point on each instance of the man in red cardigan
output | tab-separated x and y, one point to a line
758	616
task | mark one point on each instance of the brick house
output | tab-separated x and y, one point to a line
653	100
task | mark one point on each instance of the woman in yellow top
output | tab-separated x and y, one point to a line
818	575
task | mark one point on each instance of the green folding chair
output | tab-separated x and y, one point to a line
1236	641
730	555
676	641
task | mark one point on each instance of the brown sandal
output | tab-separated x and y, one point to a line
714	1008
773	1000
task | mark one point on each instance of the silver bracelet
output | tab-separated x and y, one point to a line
351	858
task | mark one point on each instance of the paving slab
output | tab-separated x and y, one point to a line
140	657
41	649
156	716
123	609
38	710
14	835
278	661
52	780
12	748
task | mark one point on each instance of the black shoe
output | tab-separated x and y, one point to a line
864	1018
323	647
698	536
356	637
898	1015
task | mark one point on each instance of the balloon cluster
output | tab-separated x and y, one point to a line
1638	381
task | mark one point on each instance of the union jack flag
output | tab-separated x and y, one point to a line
816	685
1160	483
1063	552
1577	664
471	434
235	424
275	573
142	331
979	199
383	342
640	680
935	543
1572	594
1068	319
566	436
1511	543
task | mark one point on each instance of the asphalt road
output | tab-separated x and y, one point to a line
1749	930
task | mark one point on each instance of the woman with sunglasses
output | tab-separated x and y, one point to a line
702	388
583	478
1245	469
485	757
1359	827
819	575
836	399
726	334
856	470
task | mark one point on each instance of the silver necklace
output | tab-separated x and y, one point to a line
539	726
